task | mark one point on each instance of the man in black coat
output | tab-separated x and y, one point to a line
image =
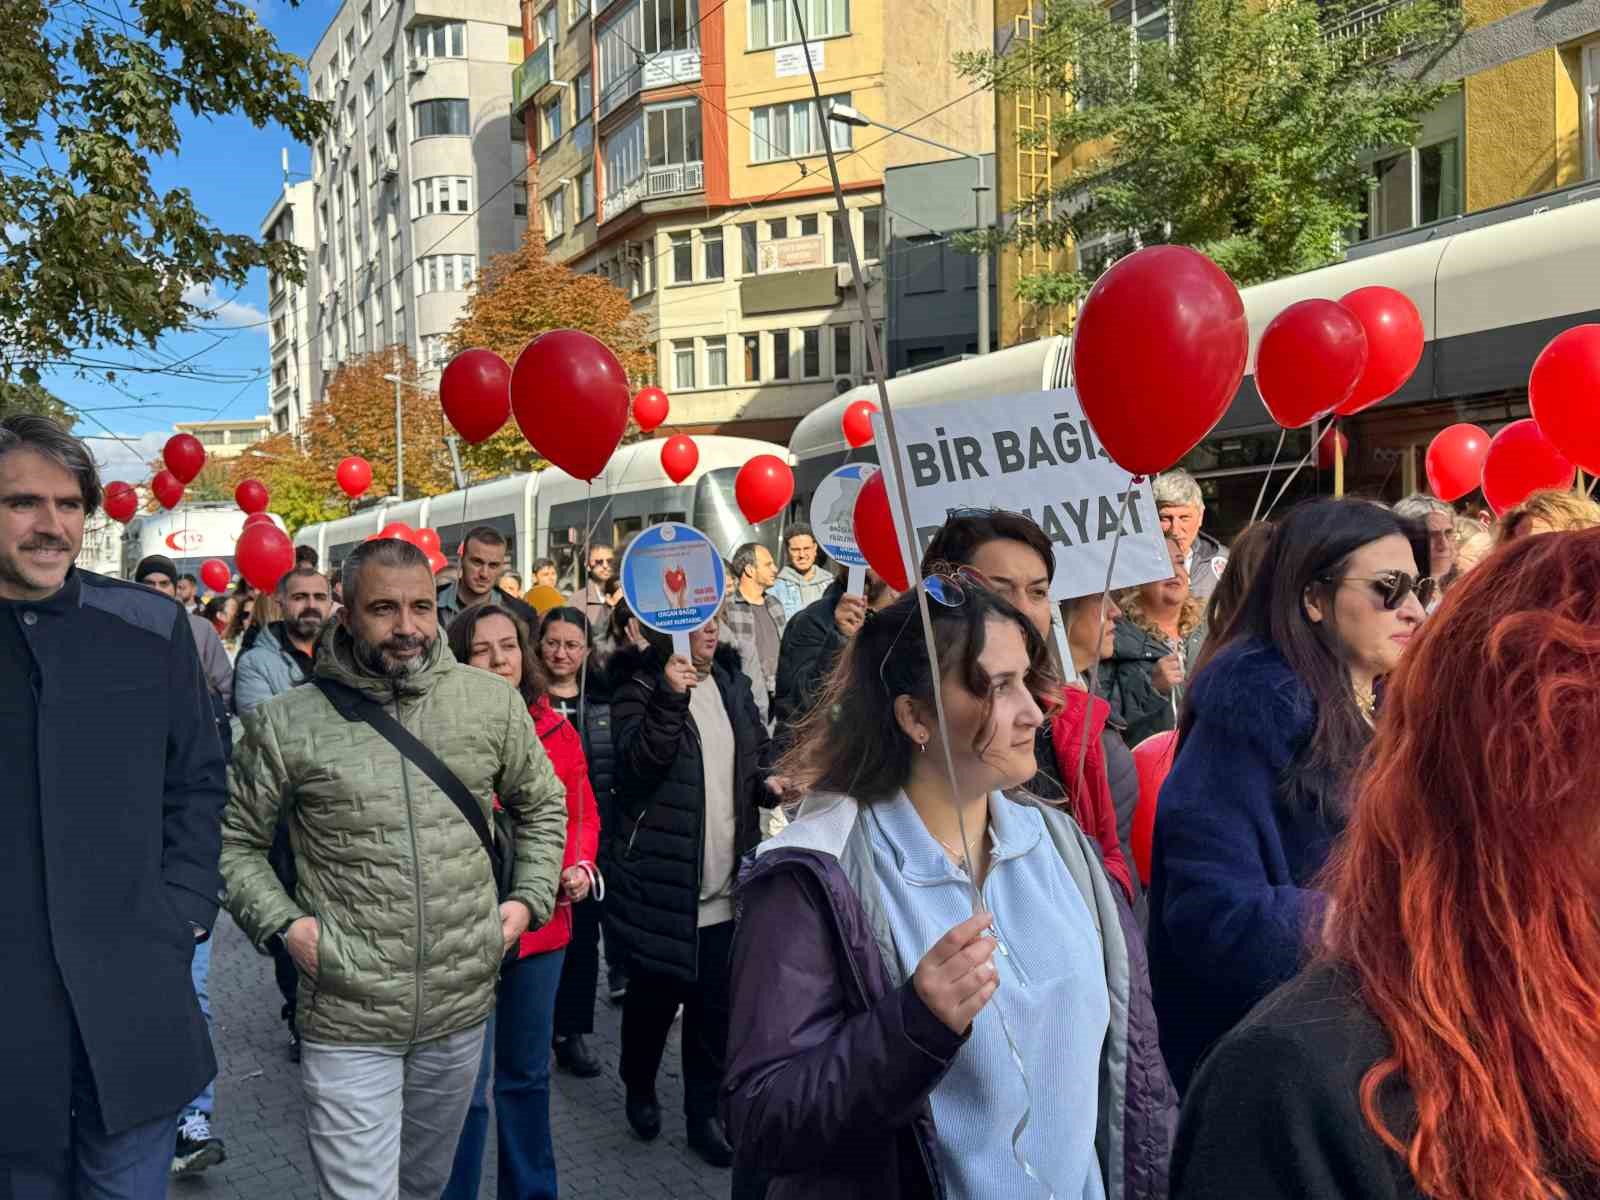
109	837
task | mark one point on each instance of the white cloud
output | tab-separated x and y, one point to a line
224	314
128	459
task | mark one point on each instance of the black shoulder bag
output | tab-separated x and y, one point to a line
353	706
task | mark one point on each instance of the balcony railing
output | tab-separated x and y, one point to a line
1359	24
654	183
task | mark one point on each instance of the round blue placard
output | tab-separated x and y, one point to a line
673	578
833	508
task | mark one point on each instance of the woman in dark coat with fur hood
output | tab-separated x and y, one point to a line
691	753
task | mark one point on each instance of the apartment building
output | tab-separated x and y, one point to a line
680	153
414	185
228	438
291	311
1524	121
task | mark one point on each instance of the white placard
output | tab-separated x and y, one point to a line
1034	454
791	60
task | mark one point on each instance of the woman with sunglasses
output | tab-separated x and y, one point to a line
877	1023
1272	730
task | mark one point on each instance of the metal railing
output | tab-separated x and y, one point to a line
657	181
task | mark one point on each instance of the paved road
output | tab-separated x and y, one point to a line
259	1107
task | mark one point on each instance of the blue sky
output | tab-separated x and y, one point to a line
234	172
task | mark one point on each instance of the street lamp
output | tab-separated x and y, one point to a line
399	450
845	115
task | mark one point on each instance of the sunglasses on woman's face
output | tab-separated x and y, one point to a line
1394	586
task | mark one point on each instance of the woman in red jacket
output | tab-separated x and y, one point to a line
521	1028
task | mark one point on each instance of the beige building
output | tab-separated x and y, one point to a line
290	312
683	157
227	439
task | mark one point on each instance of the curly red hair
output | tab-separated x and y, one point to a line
1466	891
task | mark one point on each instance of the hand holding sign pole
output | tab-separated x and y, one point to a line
673	580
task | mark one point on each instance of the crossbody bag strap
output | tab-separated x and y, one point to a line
353	706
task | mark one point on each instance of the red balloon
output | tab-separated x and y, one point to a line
426	540
1564	394
265	555
184	456
875	535
260	518
1522	461
167	488
570	397
1158	353
679	457
1454	462
437	562
1310	358
120	501
763	487
354	476
1152	759
1394	344
475	391
1325	449
252	496
650	408
215	575
397	529
858	423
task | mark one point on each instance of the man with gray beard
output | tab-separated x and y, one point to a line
395	923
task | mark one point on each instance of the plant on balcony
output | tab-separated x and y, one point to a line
523	294
91	254
1241	133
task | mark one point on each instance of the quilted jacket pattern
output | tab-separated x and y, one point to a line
410	944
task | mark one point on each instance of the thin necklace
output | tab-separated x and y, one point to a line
959	855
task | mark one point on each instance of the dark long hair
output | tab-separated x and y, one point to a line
535	682
1227	598
850	742
1309	553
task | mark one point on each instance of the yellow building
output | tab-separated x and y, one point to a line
227	439
1523	122
703	188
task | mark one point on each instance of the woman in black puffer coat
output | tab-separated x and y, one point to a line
691	752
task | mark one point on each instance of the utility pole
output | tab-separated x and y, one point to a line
399	445
983	259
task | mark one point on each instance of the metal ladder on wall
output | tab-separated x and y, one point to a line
1035	174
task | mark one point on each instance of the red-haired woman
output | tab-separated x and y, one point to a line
1447	1042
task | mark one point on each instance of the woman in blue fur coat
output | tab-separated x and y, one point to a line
1273	726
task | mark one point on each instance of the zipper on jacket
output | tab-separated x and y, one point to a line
416	877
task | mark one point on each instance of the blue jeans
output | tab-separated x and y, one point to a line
519	1037
200	973
132	1165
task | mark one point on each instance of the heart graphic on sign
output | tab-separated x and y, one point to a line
676	580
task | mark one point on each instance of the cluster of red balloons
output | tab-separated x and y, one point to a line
1321	357
426	540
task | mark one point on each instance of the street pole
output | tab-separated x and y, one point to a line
983	261
399	447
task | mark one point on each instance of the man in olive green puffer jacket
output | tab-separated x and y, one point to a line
394	923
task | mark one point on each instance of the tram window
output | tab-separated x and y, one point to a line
659	518
624	528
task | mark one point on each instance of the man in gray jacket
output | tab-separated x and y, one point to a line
160	573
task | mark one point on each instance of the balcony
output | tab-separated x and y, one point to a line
532	75
1359	25
665	69
676	180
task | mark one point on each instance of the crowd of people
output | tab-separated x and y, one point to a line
891	898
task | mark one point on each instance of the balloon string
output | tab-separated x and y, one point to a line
1093	681
1267	478
1297	469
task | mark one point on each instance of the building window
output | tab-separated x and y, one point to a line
366	21
794	130
772	22
439	39
842	363
1414	187
808	226
545	28
552	122
585	97
586	195
871	233
682	258
519	199
349	50
711	244
514	54
670	25
555	213
841	239
778	230
717	362
752	358
440	194
1591	110
747	248
439	118
369	93
391	141
659	139
683	365
1148	19
672	134
443	273
386	70
780	354
810	353
434	354
349	126
518	128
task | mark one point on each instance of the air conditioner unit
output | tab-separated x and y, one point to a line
419	66
869	276
391	167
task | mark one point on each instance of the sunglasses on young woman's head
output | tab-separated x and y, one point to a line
1394	586
947	587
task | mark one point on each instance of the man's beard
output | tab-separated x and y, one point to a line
308	625
380	658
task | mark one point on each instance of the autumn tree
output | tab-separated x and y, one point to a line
523	294
33	398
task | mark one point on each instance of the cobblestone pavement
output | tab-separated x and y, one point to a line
260	1118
